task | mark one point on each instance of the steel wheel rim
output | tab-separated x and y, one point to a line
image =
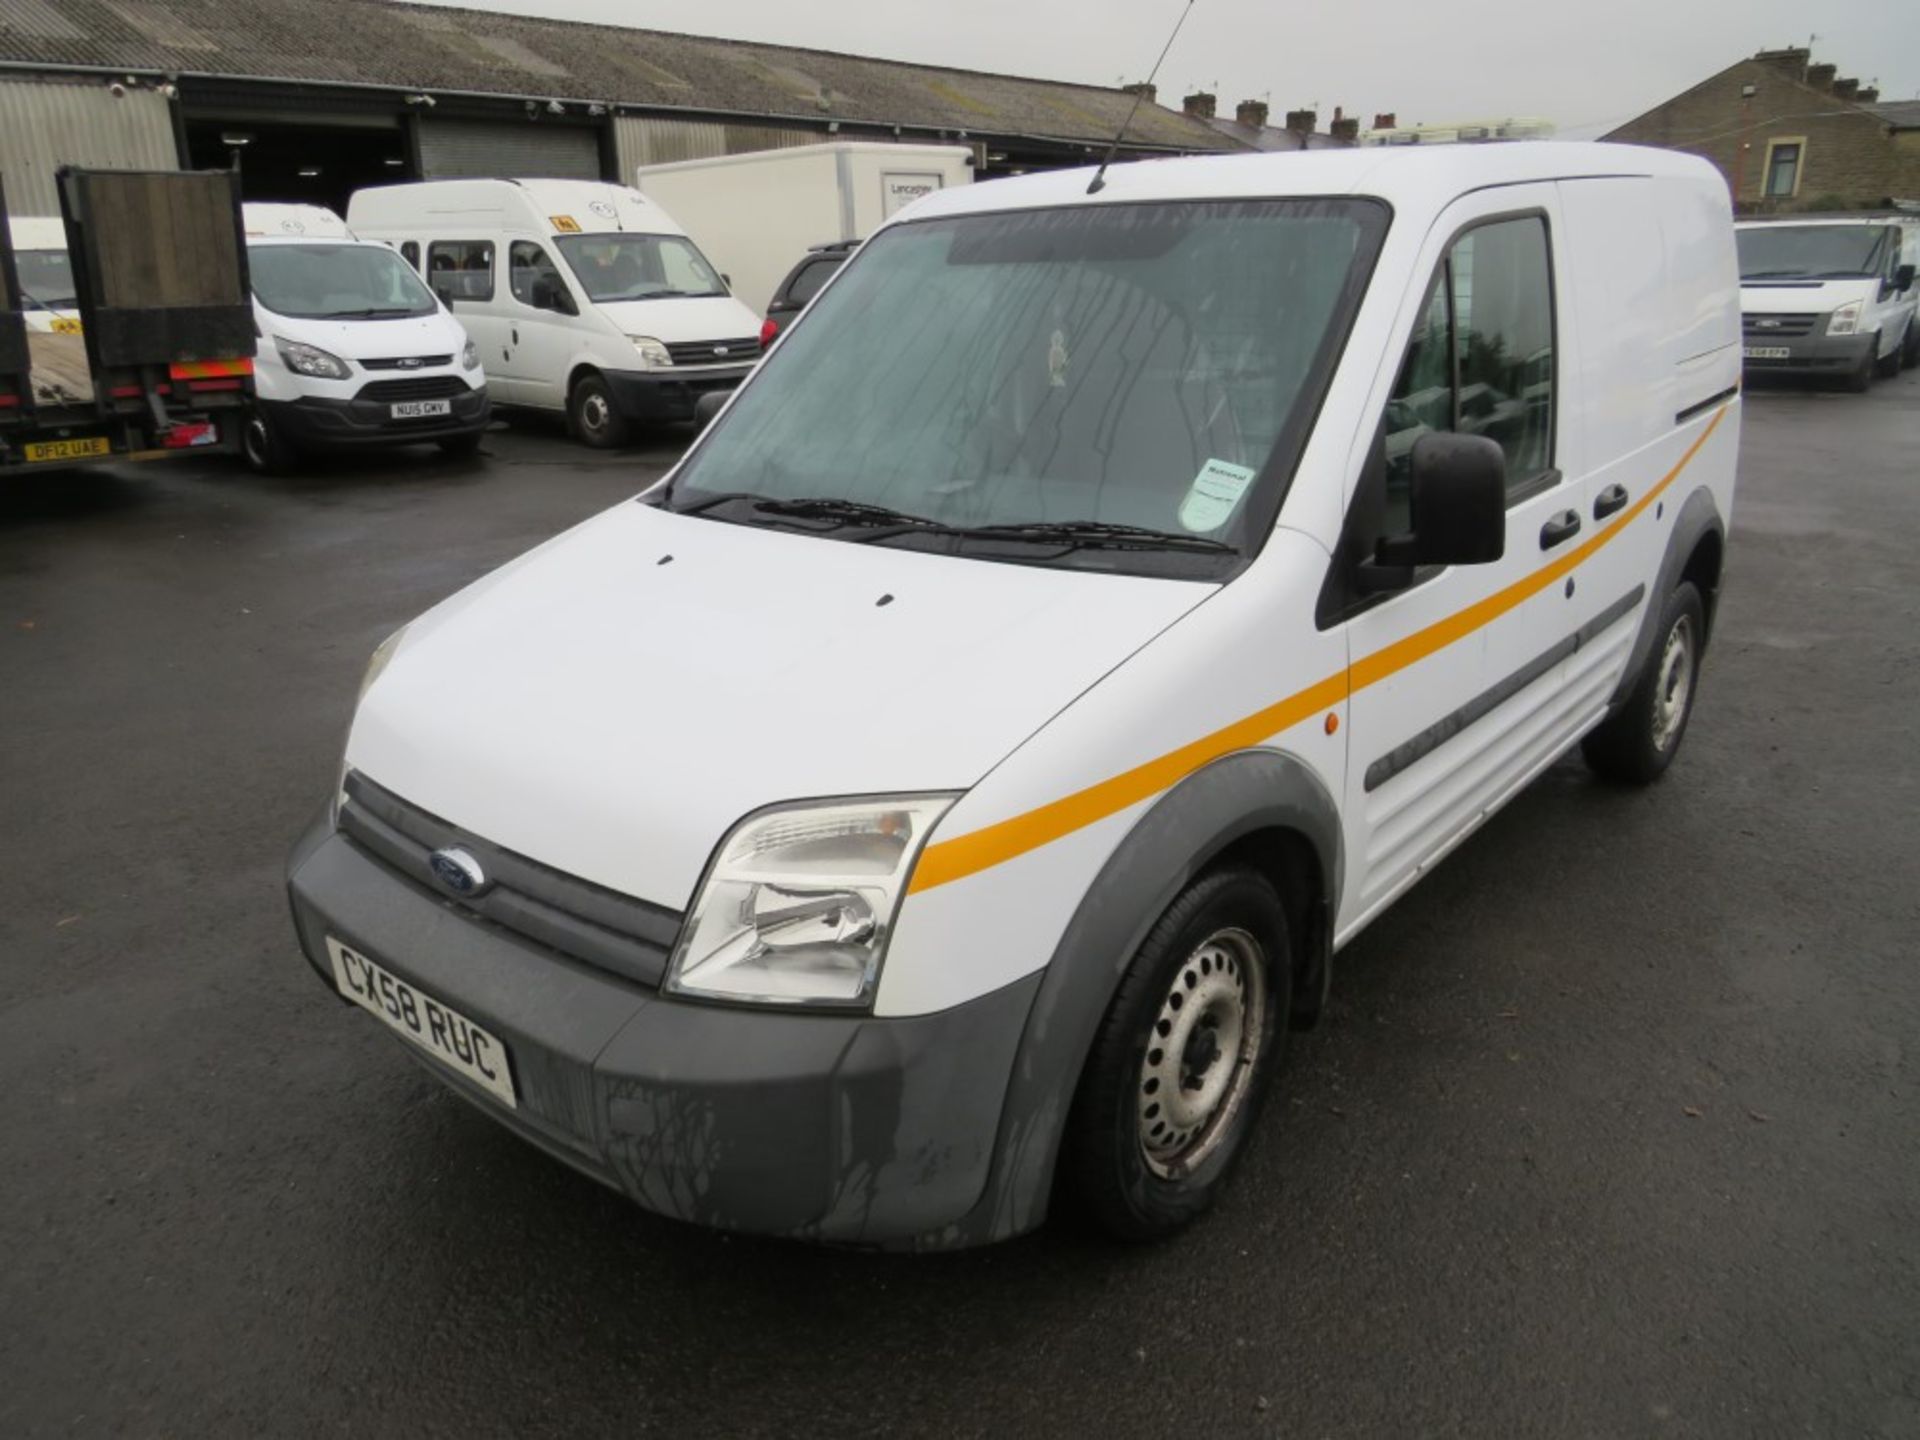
1674	687
593	414
1201	1051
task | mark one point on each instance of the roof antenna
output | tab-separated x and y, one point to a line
1099	181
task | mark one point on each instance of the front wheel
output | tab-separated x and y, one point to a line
1177	1068
264	446
1859	380
1888	365
1910	346
1638	741
591	412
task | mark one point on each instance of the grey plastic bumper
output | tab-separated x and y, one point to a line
837	1128
662	395
1808	354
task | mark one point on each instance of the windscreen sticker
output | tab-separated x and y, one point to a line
1215	491
564	224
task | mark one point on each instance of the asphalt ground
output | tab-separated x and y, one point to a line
1610	1130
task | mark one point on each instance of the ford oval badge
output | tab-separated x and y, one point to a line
458	872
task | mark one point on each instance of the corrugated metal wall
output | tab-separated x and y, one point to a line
46	124
508	150
647	140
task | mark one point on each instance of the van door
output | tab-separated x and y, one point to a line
464	271
542	313
1456	680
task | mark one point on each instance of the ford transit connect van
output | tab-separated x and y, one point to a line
880	827
587	300
1826	297
354	349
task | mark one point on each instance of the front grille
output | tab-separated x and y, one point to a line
430	387
561	912
707	352
408	362
1760	327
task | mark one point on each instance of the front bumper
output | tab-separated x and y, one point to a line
1806	354
312	420
824	1127
654	396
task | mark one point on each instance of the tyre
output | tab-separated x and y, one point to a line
1638	741
461	446
591	413
1910	347
1888	365
1860	379
1177	1068
264	446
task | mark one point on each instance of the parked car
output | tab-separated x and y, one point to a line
354	349
802	283
949	785
1831	297
587	300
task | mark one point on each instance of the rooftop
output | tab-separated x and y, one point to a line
420	47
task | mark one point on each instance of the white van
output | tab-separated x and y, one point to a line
587	299
47	291
949	785
1827	297
354	349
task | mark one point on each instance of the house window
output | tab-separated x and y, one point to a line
1783	167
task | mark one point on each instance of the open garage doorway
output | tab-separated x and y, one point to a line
312	163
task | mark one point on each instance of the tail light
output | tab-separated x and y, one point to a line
768	330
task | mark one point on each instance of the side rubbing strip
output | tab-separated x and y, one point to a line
1444	729
945	861
1701	407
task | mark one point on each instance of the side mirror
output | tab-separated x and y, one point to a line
1458	500
1903	278
726	280
708	406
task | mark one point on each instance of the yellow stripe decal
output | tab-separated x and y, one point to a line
978	850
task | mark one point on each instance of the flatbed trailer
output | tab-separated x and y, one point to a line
163	363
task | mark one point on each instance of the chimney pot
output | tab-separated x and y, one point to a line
1846	89
1252	114
1867	94
1301	122
1345	129
1384	120
1793	60
1146	92
1199	106
1820	77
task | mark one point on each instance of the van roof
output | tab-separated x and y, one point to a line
37	232
1412	178
555	206
268	221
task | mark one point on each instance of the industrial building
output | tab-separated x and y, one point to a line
314	100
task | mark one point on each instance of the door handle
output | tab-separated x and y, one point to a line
1563	526
1609	500
515	332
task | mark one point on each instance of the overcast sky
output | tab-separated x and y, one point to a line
1586	65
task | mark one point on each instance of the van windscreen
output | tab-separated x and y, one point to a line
1119	387
613	267
1809	252
337	282
46	279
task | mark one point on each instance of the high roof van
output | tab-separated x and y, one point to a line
354	351
1828	297
588	300
947	788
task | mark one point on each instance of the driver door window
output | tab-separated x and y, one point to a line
535	280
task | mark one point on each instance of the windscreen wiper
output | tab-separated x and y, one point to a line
1102	534
822	507
377	313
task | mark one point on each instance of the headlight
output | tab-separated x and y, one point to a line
1845	320
382	653
305	359
799	904
470	357
653	355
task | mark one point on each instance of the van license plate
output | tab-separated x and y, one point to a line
1766	352
440	1030
421	409
96	447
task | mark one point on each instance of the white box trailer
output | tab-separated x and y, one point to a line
756	214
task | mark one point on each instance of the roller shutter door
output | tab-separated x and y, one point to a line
471	149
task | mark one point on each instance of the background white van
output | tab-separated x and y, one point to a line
46	275
1826	297
354	349
586	299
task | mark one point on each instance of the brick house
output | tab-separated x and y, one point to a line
1790	134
